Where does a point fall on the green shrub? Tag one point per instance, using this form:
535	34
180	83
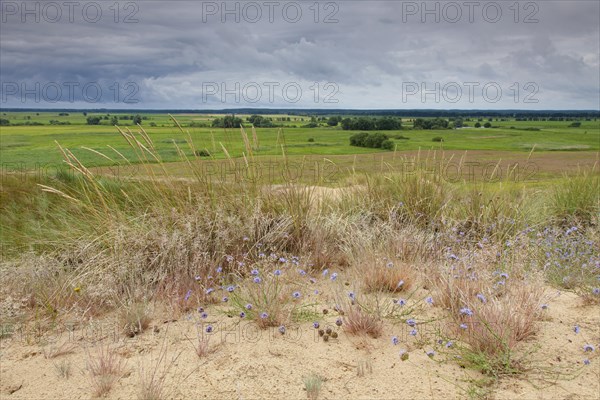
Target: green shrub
437	139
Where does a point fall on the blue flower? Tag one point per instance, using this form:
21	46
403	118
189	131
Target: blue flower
596	291
586	361
282	329
242	315
589	347
200	310
316	325
504	275
411	322
204	315
449	344
261	255
209	329
352	295
401	302
248	306
187	295
225	299
576	329
302	272
257	279
209	290
395	340
429	300
466	311
230	288
413	332
481	298
282	259
400	284
254	272
544	306
296	295
277	272
325	272
390	264
264	315
219	269
430	353
334	276
463	326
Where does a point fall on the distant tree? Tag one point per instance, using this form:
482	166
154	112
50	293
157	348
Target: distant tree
93	120
85	114
114	120
4	122
487	125
137	120
334	120
229	121
477	125
458	123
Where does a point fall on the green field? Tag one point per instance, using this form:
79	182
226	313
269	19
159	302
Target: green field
29	146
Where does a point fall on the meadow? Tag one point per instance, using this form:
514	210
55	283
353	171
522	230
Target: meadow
445	268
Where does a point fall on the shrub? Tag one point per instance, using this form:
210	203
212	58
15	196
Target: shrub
311	140
387	145
134	319
371	140
202	153
105	368
437	139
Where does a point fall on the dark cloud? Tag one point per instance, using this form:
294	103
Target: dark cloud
373	56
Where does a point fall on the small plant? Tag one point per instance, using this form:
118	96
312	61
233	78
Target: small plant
105	368
363	367
60	350
437	139
202	153
312	385
387	278
311	140
134	319
63	369
152	381
357	321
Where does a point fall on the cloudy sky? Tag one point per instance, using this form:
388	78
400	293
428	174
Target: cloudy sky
278	54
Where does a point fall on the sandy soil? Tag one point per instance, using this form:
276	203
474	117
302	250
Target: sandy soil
249	363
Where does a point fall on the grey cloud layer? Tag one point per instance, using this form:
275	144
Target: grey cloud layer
370	54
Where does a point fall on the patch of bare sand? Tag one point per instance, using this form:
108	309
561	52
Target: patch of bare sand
250	363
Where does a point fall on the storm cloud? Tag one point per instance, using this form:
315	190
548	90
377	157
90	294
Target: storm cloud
279	54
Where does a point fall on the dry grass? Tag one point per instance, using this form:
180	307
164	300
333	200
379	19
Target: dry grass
134	319
54	351
394	278
358	322
105	369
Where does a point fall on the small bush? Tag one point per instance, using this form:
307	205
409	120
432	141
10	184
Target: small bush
387	145
134	319
312	385
382	278
105	368
311	140
357	321
370	140
202	153
437	139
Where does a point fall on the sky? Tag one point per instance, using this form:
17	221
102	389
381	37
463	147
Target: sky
170	54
